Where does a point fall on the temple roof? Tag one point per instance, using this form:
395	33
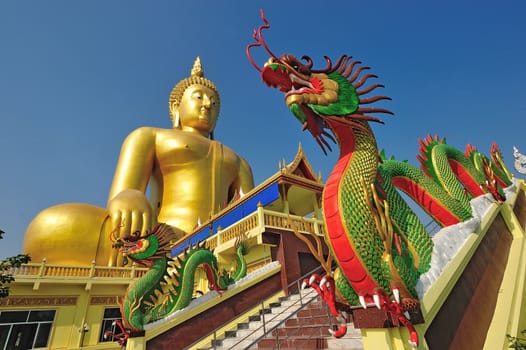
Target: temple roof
293	189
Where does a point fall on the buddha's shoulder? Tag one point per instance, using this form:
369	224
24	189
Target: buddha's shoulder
149	131
175	137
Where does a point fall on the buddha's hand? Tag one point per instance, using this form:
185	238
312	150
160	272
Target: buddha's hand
130	212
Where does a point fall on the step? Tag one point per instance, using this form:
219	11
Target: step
293	343
319	320
307	344
312	311
257	323
238	342
302	330
351	341
273	314
292	304
309	329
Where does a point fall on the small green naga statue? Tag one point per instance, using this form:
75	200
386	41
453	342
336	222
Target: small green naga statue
168	285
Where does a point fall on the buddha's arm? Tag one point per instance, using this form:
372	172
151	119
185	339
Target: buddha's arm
127	204
135	164
246	179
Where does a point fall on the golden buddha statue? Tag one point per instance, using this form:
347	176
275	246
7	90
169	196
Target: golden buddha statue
190	177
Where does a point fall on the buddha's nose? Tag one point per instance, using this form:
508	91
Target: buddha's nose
206	101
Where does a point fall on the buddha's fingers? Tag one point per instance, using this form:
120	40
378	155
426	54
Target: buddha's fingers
123	220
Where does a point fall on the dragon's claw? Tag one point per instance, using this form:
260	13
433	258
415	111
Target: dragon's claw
340	332
383	301
313	278
361	298
304	284
324	287
323	282
376	299
121	337
396	294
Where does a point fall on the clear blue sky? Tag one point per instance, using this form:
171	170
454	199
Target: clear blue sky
77	76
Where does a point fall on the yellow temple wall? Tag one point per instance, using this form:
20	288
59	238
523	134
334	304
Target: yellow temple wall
79	304
75	308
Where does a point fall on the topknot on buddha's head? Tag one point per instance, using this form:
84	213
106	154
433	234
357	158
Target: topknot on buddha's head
196	77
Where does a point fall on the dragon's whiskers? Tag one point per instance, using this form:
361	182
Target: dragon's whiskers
364	79
373	110
369	89
341	69
374	99
351	123
357	73
258	37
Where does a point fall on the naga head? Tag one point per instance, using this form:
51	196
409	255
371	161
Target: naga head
491	184
145	249
300	83
316	96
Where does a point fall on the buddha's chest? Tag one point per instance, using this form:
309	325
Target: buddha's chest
181	148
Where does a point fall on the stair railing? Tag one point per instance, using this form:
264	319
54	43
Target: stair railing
302	301
291	310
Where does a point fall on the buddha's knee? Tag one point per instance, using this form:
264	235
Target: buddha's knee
71	233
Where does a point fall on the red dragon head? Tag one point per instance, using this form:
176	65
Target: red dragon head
316	96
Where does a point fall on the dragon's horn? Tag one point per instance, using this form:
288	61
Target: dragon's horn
258	37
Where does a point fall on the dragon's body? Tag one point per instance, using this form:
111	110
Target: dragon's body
378	242
168	285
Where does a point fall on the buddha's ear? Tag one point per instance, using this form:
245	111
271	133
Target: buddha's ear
173	107
174	112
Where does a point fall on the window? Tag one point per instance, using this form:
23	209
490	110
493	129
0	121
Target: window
110	315
20	330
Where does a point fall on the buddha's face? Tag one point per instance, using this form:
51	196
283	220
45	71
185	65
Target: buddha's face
199	109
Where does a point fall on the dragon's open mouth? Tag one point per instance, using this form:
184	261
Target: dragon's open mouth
300	86
134	247
278	76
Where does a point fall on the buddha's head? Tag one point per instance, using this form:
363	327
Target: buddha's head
194	103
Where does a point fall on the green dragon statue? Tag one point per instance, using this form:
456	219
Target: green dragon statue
168	285
377	241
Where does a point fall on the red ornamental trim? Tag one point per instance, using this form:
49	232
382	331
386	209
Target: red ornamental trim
39	301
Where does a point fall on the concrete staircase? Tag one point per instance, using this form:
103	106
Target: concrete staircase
295	323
